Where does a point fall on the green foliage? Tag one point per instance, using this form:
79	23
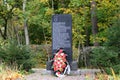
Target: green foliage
8	11
35	38
105	58
41	53
41	59
109	55
113	35
11	54
39	16
7	8
102	57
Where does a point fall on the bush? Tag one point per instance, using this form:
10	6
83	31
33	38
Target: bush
40	56
109	55
11	53
41	60
105	58
113	35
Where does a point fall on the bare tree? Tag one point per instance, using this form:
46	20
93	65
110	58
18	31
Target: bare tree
94	20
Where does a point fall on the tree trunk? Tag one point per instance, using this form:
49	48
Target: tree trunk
87	36
94	20
5	32
16	32
25	24
1	33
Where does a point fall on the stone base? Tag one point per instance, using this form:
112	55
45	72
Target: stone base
74	66
49	65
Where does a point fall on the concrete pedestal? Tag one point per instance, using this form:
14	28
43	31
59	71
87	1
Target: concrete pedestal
74	66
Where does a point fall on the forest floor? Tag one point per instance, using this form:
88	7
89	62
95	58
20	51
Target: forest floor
38	76
42	74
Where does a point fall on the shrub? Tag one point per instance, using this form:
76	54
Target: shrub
41	59
113	35
40	56
105	58
11	53
109	55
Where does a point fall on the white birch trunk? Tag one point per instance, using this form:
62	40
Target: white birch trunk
25	24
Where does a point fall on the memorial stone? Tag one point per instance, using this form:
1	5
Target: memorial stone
62	34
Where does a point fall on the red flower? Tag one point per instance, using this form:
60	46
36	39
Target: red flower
59	61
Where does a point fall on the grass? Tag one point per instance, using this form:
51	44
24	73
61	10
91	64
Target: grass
9	73
101	76
106	77
12	73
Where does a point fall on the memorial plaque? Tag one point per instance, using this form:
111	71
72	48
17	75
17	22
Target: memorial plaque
62	34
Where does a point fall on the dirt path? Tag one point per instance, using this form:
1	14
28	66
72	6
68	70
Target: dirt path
42	75
38	76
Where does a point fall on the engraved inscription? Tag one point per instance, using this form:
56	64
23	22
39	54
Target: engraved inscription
61	37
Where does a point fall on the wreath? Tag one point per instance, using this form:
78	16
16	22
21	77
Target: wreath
60	64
